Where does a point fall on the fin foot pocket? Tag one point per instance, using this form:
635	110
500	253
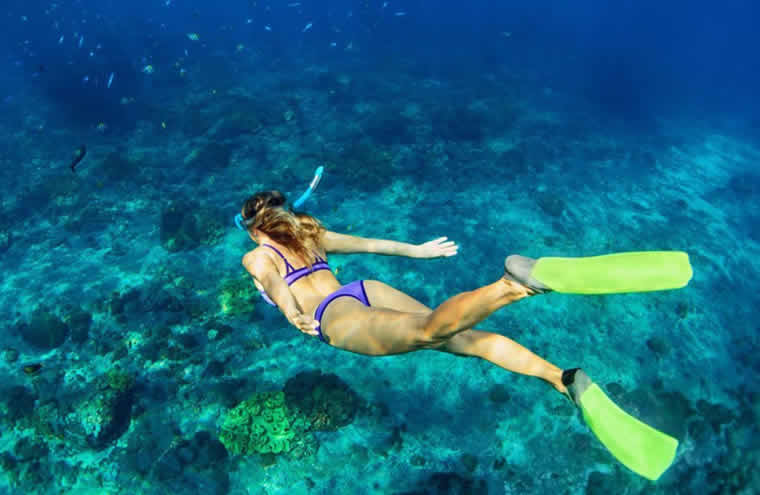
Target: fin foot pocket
518	269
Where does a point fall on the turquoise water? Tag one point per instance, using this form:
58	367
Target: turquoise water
131	330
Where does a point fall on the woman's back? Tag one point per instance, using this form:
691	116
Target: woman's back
309	285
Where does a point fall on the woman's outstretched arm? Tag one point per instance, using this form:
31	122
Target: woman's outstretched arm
333	242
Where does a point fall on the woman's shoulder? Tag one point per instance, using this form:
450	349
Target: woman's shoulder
256	253
260	257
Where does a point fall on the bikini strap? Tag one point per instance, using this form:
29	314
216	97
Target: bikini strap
288	267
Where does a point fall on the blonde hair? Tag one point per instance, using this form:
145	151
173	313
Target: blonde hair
298	231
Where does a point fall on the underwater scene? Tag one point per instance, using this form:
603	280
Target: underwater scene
510	247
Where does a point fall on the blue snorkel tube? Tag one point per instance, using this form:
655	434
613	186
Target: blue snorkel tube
241	223
313	185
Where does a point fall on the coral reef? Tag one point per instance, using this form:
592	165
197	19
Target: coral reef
236	296
262	424
188	225
324	400
105	415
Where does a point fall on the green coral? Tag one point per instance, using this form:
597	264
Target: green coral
119	380
236	296
324	400
261	424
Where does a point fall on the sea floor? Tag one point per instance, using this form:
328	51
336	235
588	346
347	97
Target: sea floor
123	281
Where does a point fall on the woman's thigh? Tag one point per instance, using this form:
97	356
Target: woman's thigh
349	325
393	325
383	295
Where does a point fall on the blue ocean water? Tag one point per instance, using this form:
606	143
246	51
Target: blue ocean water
133	341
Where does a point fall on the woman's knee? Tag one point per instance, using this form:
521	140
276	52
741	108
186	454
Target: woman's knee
407	332
426	337
462	343
433	332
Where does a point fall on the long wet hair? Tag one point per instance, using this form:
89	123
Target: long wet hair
299	231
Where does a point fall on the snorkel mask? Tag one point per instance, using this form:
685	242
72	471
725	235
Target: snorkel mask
244	223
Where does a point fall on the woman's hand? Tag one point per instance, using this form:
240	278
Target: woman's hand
437	248
304	323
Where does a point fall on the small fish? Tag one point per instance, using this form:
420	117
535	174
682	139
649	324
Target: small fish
400	14
85	79
60	40
187	54
240	47
333	44
307	27
32	369
249	21
148	69
294	4
81	41
193	36
385	4
268	27
110	80
78	157
101	127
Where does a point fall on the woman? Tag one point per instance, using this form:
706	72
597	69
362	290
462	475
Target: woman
368	316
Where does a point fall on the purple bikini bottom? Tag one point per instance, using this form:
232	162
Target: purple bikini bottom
354	289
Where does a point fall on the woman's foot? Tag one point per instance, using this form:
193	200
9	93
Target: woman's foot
577	381
553	376
515	290
518	269
562	389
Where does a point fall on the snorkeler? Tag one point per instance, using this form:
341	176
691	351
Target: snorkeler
290	269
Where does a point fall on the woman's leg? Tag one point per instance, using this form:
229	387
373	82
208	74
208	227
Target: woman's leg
505	353
467	309
383	331
492	347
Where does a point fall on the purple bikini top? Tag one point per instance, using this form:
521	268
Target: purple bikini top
291	274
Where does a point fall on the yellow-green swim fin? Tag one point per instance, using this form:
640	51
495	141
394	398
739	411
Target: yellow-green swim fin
607	274
641	448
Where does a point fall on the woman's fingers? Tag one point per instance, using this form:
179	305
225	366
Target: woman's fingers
440	246
306	324
447	248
